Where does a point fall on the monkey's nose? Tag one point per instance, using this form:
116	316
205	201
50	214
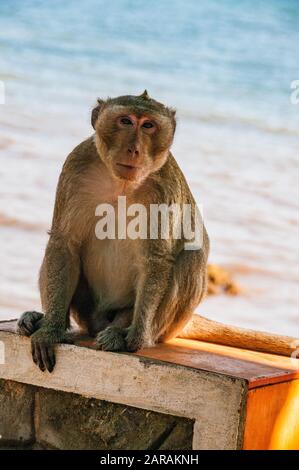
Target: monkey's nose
133	151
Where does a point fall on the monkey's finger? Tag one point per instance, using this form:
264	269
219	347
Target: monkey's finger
40	359
25	327
33	353
28	326
52	358
37	356
44	356
99	346
48	356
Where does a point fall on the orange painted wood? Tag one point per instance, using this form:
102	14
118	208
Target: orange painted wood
272	417
256	368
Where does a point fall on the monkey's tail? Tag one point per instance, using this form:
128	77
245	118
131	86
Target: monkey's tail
202	329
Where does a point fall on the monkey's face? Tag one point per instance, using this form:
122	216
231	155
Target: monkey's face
133	141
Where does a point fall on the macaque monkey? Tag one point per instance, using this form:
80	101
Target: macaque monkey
127	293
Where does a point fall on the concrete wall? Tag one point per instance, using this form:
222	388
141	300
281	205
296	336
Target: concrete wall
36	417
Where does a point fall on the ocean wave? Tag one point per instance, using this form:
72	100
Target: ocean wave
7	221
233	121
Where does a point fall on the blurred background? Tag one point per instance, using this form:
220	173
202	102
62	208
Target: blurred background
226	66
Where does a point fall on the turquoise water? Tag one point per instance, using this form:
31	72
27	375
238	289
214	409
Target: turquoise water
229	59
226	66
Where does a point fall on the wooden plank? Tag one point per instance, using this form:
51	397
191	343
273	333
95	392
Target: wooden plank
272	417
257	368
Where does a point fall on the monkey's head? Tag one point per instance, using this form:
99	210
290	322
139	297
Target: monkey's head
133	135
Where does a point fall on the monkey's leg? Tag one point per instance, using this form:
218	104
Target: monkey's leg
91	318
84	309
169	298
152	286
58	280
29	322
123	317
186	290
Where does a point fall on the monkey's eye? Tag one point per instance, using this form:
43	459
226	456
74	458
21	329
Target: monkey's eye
148	125
126	121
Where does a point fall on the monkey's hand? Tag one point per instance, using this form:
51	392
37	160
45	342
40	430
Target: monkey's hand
135	339
42	347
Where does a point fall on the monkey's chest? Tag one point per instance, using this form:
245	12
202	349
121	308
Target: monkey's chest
111	271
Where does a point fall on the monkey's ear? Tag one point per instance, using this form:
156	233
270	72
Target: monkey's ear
145	95
96	111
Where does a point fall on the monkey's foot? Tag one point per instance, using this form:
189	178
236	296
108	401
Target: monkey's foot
112	339
29	322
135	340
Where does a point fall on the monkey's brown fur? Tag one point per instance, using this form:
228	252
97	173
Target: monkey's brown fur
128	293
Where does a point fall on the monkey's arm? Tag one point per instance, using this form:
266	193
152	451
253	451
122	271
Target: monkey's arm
58	280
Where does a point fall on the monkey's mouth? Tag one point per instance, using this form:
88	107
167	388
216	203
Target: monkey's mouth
127	171
129	167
